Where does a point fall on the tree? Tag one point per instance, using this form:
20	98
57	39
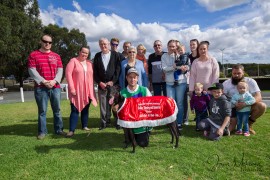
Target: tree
66	43
20	29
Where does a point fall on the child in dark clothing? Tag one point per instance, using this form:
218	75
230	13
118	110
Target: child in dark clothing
220	111
199	103
181	59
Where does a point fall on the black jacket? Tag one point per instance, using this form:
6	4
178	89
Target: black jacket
113	69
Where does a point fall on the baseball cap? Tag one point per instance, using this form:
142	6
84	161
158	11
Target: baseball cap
132	70
216	86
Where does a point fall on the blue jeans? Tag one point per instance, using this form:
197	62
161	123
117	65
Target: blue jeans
74	116
242	119
177	92
42	95
158	87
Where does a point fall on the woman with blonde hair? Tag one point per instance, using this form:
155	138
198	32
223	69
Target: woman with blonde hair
132	62
141	50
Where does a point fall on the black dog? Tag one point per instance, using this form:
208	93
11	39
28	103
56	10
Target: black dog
117	101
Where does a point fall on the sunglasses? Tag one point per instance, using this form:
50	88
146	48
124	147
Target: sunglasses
156	45
113	44
132	52
45	42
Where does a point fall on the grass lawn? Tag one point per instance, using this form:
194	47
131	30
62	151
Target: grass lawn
101	156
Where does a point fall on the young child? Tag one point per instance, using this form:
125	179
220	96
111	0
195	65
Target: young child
243	96
220	111
181	59
199	103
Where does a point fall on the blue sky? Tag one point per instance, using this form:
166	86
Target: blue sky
239	26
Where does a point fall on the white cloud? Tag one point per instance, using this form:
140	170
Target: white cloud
216	5
174	26
47	17
244	41
77	6
237	19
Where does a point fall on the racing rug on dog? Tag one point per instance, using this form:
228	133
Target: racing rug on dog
147	111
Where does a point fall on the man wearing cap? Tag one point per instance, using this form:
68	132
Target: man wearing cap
220	111
135	90
230	88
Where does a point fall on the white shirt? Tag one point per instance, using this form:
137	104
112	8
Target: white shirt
106	59
231	89
84	66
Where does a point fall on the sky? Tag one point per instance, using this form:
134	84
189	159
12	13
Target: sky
240	27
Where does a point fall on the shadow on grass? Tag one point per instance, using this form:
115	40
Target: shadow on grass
29	127
189	131
109	139
96	141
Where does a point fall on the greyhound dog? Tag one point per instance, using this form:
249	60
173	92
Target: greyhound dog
117	100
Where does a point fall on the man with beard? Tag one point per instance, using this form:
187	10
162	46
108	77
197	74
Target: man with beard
230	88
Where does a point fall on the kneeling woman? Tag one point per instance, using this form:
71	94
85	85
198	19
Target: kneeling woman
79	75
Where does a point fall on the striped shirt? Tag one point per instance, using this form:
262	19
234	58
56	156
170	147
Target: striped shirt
46	64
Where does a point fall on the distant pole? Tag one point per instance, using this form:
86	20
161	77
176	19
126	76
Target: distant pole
22	95
227	67
66	91
223	69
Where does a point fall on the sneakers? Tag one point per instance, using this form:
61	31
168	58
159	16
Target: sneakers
61	133
86	129
238	132
41	136
186	122
69	134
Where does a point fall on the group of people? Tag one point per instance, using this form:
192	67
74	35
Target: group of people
174	73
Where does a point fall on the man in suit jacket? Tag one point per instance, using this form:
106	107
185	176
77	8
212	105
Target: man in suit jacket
106	73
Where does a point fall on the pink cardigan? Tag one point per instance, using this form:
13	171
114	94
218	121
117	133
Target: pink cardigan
205	72
81	83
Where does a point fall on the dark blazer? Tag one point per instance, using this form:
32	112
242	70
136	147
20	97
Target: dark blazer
113	69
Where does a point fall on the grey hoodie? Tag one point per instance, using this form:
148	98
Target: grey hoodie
219	109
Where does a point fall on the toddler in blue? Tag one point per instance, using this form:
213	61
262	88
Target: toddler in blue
243	96
180	60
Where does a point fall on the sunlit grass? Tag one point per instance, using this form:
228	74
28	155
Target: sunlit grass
99	155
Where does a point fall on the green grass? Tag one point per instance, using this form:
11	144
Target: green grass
101	156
